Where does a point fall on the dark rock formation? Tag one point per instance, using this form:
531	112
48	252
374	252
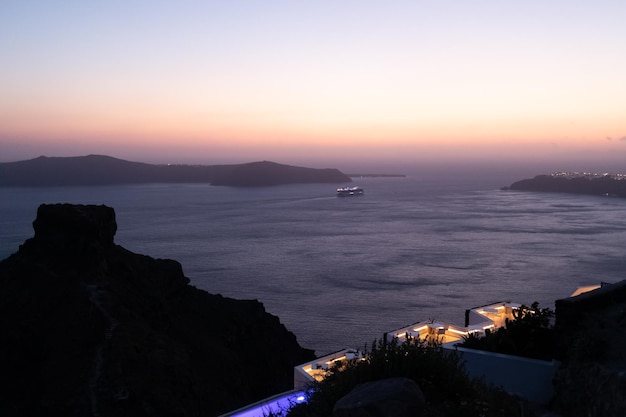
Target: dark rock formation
592	185
105	170
91	329
392	397
591	343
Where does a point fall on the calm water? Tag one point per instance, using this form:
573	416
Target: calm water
341	271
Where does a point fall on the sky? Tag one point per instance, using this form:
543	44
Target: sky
318	83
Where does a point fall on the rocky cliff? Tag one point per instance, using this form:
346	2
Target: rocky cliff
91	329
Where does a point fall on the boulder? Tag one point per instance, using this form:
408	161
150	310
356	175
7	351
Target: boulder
392	397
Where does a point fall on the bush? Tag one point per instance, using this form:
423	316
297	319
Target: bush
447	388
530	334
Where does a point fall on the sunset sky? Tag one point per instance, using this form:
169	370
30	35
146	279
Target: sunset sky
319	83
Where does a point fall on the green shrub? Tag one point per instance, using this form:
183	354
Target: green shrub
530	334
447	388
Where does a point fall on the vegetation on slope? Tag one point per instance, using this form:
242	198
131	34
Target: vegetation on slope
440	375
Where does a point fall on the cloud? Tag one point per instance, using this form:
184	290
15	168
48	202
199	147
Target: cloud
623	139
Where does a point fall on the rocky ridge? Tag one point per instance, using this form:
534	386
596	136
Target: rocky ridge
90	328
105	170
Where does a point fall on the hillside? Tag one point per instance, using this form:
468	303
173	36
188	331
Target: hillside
105	170
90	328
575	183
256	174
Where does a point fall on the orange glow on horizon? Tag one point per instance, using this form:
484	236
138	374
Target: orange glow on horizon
281	82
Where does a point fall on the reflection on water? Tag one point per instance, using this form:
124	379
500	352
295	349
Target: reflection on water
339	272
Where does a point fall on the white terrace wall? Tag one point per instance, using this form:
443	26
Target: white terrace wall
528	378
305	375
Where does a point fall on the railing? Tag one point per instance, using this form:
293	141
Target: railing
528	378
277	405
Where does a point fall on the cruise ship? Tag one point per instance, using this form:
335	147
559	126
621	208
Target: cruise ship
349	191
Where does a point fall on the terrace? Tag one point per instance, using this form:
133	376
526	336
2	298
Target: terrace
481	364
306	374
477	320
490	316
430	332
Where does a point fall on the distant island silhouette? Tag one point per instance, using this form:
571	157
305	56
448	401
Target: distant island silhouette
613	185
106	170
377	175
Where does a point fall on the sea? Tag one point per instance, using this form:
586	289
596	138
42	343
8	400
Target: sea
340	272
